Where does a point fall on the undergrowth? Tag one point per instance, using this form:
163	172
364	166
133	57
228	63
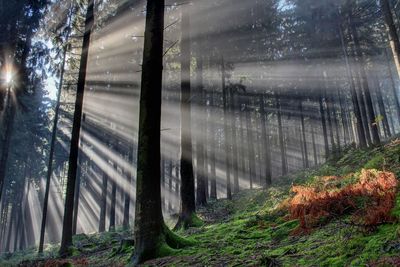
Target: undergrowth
255	229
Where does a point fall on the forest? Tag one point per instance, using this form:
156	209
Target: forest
199	133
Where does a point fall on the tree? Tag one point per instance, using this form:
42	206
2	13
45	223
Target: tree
392	32
54	136
152	237
187	212
66	238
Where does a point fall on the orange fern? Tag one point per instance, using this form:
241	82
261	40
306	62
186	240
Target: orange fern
376	190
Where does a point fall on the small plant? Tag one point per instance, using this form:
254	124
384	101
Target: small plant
369	197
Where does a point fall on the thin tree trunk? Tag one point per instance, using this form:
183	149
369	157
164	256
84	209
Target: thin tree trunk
201	197
381	105
281	137
227	135
127	197
361	133
369	106
187	188
392	32
103	203
250	144
232	100
303	131
53	141
393	85
266	146
66	239
6	142
314	147
323	122
213	178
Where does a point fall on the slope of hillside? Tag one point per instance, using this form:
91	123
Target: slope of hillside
255	229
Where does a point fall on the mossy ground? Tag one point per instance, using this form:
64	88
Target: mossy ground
251	230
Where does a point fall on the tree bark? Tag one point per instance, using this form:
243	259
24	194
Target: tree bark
266	145
280	133
103	203
303	131
66	239
250	144
187	189
392	32
51	153
201	197
151	234
227	135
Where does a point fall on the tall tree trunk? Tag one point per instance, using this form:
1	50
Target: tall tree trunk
266	146
51	153
232	105
187	189
113	199
356	107
393	85
303	131
250	144
201	197
66	239
77	193
127	195
323	122
170	199
151	234
242	147
227	135
6	142
281	137
369	106
381	105
330	124
392	32
314	147
103	203
213	147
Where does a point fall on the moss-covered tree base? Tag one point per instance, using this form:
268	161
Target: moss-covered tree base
169	244
185	222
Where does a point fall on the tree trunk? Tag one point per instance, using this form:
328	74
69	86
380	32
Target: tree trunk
187	188
201	197
77	193
151	234
393	85
369	106
103	203
113	200
232	108
303	131
280	133
213	143
314	147
381	105
66	239
250	144
51	153
127	197
6	142
392	32
266	146
227	135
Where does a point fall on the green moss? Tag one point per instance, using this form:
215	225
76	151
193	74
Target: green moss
377	162
196	221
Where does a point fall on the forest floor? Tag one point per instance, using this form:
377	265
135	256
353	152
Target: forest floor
253	229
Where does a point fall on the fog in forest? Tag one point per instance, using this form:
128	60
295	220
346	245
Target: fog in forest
251	91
